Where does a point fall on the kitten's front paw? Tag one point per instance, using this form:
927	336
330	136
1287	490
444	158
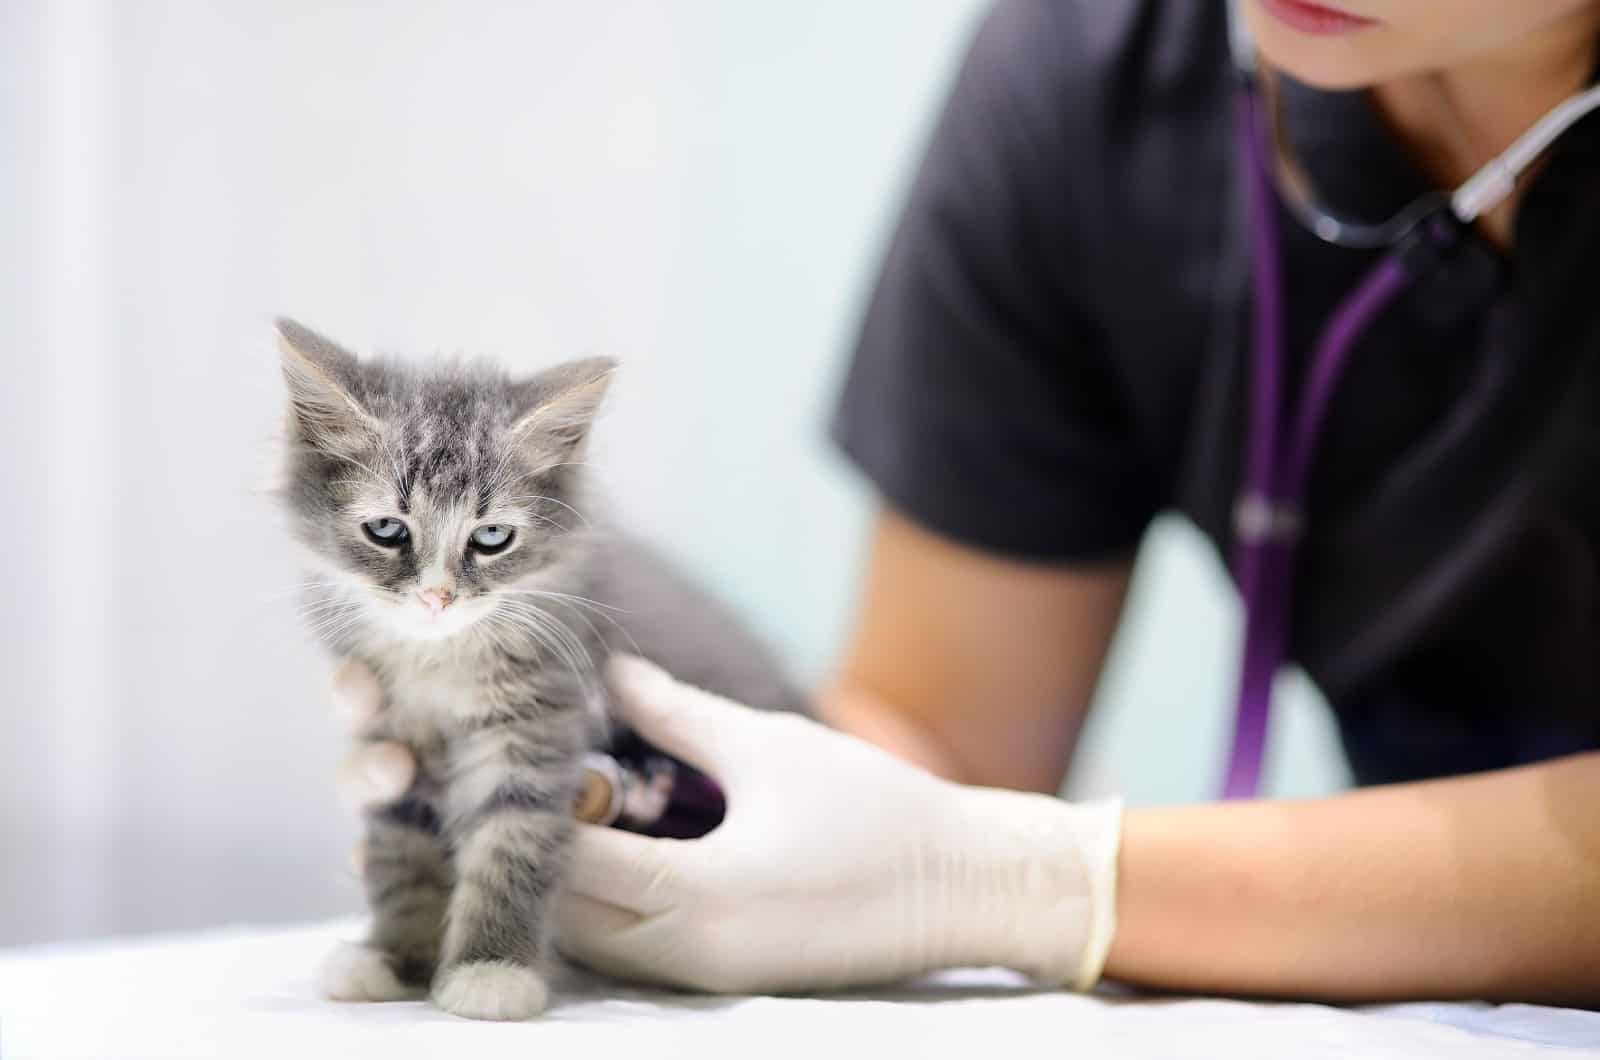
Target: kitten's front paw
353	972
491	990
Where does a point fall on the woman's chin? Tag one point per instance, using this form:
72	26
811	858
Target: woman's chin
1333	64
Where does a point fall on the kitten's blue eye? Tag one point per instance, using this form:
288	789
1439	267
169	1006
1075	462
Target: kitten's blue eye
492	538
386	532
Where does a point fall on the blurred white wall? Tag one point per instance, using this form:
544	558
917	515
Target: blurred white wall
700	188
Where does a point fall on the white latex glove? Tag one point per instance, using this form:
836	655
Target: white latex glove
837	864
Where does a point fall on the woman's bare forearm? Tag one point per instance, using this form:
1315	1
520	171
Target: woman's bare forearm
861	713
1474	887
976	667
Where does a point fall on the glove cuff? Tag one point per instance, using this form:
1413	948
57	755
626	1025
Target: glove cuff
1100	845
1050	906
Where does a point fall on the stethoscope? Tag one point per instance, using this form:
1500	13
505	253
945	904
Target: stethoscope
1269	518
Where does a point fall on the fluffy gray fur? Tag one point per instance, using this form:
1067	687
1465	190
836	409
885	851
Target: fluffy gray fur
498	693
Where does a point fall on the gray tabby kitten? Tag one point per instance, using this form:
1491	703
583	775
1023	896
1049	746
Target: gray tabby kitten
458	556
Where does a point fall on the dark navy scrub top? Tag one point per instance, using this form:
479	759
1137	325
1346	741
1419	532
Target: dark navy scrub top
1056	351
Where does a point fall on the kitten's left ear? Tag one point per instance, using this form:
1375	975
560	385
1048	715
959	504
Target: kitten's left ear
557	406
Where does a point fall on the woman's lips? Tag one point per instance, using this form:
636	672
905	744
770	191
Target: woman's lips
1316	19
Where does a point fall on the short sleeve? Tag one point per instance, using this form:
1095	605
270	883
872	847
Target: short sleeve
979	401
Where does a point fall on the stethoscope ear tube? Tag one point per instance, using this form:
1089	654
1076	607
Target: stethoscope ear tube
1490	186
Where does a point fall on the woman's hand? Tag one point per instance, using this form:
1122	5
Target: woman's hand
837	864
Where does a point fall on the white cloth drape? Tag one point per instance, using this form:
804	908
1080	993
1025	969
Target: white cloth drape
247	993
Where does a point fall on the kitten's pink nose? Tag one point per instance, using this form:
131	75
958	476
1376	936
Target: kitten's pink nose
435	600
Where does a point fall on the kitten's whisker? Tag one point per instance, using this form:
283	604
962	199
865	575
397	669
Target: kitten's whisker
539	515
577	603
319	624
546	497
336	456
331	627
325	604
396	466
584	519
572	597
308	614
332	620
314	598
592	631
572	650
337	599
530	627
522	634
567	645
497	477
291	590
563	527
564	463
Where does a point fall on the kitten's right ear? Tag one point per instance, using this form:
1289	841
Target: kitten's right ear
323	412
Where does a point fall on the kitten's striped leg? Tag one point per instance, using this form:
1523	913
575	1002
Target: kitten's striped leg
408	880
513	836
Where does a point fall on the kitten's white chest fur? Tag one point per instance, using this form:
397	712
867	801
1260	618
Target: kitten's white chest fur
429	692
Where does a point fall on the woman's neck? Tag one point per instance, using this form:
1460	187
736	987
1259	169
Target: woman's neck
1454	120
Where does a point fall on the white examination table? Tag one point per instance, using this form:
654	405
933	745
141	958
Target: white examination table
244	993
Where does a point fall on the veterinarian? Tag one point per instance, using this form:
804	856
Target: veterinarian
1150	264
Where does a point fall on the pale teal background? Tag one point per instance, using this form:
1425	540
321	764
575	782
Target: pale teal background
701	188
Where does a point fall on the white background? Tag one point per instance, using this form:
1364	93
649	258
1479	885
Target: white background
700	188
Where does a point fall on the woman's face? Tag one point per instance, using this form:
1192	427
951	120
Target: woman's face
1356	43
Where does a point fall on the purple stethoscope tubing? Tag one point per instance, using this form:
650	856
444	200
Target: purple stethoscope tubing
1269	517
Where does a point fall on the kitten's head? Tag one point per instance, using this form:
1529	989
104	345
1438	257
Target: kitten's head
422	493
